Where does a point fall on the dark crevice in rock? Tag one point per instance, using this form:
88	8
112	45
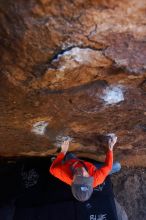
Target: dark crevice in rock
116	67
39	69
61	52
72	90
70	101
142	86
92	33
114	70
142	127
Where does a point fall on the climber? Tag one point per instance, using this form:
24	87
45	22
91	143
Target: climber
81	175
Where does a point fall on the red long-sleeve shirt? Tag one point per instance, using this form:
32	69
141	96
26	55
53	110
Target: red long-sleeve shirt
63	170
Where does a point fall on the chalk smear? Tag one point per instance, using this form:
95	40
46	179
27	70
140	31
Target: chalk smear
77	54
113	95
39	128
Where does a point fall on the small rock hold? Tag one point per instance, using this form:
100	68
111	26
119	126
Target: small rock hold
113	95
39	127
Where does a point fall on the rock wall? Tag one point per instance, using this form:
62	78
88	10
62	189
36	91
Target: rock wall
73	68
130	191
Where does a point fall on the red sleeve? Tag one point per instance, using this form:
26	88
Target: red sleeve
101	174
55	167
59	171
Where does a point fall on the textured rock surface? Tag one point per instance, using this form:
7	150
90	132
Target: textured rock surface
73	68
130	191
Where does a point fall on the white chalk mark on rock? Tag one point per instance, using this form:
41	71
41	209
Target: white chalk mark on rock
113	95
112	135
77	56
39	127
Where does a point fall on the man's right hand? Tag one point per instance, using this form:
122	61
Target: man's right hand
112	141
65	146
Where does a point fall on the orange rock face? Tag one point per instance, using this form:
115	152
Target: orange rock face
73	68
